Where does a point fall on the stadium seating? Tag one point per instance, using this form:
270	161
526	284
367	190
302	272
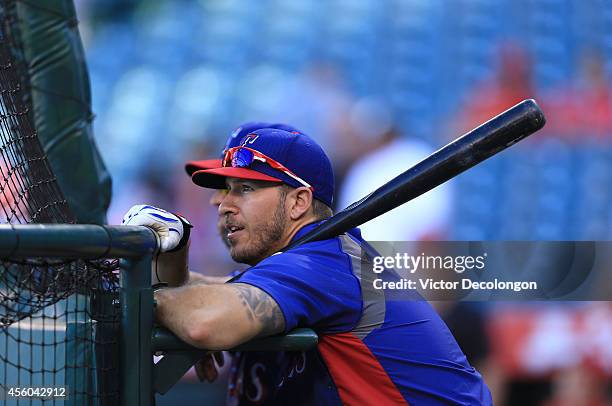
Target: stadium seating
178	69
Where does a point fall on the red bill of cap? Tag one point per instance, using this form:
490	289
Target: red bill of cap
193	166
215	178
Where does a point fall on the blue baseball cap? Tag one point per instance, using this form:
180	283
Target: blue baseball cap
233	141
298	153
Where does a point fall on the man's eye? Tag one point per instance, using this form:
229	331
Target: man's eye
246	188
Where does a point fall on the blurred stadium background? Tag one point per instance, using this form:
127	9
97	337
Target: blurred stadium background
171	79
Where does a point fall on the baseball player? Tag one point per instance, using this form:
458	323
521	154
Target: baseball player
373	348
208	368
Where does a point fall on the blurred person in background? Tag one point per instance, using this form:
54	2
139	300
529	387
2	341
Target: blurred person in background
579	386
424	218
215	261
511	84
552	354
583	107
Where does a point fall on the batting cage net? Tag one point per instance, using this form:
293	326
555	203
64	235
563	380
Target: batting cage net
58	318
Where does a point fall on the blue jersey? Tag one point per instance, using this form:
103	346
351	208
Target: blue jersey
373	348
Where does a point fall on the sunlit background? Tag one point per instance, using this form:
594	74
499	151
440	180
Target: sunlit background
381	84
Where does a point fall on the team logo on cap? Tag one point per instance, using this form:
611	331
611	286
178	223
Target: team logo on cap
249	139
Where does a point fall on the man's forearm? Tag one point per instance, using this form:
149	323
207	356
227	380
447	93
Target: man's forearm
170	312
217	317
171	267
205	316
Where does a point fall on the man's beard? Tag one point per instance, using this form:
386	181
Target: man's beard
266	237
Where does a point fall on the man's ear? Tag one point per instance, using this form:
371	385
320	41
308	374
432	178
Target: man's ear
300	202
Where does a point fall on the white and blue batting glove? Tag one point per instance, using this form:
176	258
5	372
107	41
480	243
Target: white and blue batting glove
173	230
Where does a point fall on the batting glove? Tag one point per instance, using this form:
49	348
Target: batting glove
173	230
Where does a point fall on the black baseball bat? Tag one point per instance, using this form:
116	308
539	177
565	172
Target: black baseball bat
481	143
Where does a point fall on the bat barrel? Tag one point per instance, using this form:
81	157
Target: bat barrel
500	132
481	143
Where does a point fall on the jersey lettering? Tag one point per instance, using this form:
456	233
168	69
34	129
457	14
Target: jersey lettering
257	390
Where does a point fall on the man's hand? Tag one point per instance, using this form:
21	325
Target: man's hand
173	230
208	368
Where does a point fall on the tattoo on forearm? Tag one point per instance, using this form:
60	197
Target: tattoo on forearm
260	306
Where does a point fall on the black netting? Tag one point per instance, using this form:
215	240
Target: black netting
59	329
28	188
58	319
